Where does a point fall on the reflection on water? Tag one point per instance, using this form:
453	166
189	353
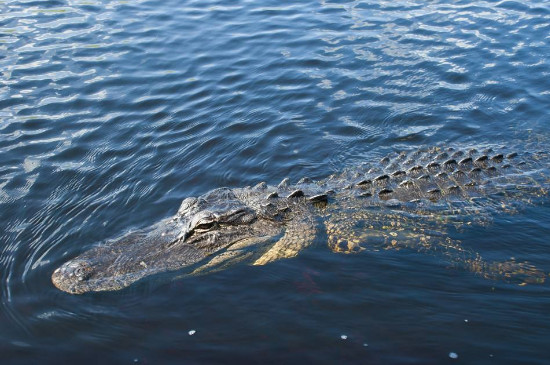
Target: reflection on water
112	112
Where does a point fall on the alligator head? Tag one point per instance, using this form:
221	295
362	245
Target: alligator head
202	227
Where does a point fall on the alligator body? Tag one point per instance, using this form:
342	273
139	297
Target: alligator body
407	199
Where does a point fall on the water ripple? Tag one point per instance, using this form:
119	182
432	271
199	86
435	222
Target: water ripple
112	111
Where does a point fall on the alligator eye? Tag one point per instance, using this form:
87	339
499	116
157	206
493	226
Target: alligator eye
205	226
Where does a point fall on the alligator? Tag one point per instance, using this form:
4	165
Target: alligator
406	200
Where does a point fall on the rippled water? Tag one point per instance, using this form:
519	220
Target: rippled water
111	112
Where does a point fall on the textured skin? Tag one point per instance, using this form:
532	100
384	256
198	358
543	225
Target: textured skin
407	200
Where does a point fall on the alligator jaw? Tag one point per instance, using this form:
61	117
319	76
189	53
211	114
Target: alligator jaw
169	245
68	275
117	264
87	273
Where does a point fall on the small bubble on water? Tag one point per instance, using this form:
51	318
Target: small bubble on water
344	337
136	360
365	345
466	320
192	332
453	355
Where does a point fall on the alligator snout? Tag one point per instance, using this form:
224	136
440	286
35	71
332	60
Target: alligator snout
67	276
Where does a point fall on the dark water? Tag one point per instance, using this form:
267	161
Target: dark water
111	112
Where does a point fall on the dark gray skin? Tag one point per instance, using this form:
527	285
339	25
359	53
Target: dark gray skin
406	200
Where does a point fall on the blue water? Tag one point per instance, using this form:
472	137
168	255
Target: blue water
112	112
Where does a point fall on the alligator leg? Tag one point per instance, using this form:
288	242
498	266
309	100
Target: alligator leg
355	231
375	230
343	236
300	233
510	271
238	252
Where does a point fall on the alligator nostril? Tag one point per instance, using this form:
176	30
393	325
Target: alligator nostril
81	274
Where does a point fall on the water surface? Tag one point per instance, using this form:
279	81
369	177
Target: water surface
112	112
